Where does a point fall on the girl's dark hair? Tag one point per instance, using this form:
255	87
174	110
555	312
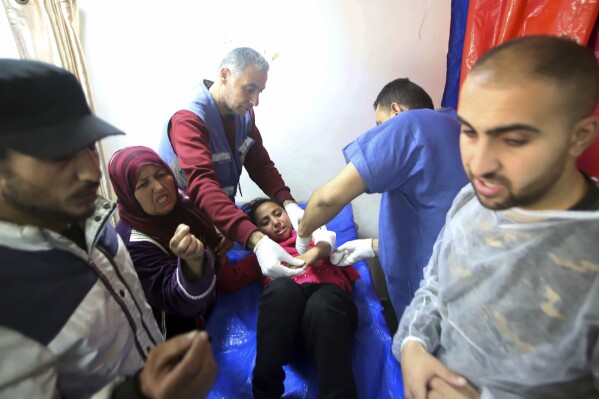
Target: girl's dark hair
250	207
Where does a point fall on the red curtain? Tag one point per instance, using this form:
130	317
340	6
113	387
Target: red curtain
492	22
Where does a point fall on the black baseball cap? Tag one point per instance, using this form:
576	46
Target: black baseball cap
44	112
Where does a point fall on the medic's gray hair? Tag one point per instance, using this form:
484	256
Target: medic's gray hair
238	59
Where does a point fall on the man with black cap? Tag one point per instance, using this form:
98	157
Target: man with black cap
74	321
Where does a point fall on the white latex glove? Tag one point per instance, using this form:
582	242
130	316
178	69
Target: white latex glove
352	252
295	214
270	255
303	243
323	235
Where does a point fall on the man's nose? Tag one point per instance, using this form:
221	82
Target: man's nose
88	164
483	159
255	100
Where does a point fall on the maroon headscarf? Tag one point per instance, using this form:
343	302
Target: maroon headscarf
123	170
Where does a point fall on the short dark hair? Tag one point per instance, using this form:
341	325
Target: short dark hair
238	59
249	208
560	60
404	92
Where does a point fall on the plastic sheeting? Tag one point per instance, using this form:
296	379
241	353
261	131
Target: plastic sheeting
492	22
232	327
589	160
457	29
510	301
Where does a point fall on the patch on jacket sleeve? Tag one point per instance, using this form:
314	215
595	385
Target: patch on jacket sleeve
109	240
41	290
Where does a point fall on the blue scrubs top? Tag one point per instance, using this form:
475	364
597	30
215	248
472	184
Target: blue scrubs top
413	159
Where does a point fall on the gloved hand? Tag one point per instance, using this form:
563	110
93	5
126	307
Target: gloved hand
295	214
352	252
323	235
270	255
303	243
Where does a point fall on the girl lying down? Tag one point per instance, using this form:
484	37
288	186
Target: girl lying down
313	310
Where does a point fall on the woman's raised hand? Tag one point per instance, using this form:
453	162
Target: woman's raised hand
191	251
185	245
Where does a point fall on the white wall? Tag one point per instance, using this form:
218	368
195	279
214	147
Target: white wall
8	47
334	56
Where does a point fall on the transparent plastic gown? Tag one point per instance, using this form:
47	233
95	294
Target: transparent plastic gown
510	300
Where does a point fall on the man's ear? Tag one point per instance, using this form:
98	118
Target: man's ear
224	74
2	176
4	166
397	109
583	134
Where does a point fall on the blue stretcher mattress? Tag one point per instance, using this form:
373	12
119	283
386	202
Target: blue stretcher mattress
232	327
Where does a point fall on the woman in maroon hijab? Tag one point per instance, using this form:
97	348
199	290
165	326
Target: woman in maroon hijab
171	243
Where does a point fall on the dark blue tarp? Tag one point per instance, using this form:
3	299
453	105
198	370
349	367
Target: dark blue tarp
457	30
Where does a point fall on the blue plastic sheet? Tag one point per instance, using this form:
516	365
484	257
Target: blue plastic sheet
232	327
457	31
